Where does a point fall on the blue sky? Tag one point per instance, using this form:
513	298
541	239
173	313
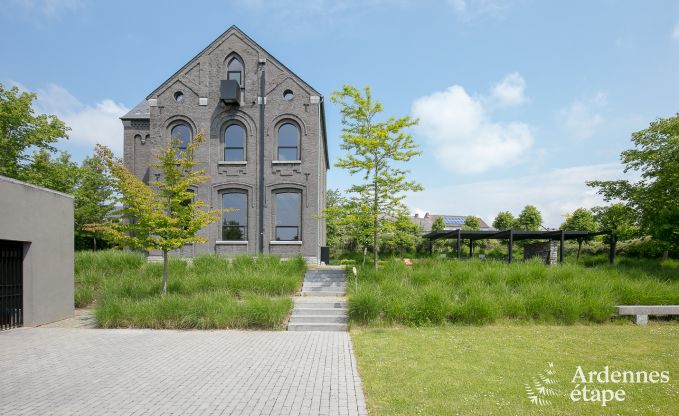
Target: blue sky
520	102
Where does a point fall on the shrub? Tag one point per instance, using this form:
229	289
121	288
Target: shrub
364	306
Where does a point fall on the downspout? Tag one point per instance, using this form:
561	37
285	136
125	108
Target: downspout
319	186
262	104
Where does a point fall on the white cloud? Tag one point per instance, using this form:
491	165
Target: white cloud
555	193
463	136
510	91
583	117
675	32
89	124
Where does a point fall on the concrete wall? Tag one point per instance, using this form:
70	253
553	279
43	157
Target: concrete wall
43	220
547	251
203	111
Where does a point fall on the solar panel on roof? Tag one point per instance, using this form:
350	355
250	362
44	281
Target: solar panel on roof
453	220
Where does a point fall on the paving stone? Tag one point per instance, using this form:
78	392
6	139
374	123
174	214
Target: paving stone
73	371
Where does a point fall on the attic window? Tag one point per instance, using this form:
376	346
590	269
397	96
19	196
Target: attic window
235	70
179	96
288	95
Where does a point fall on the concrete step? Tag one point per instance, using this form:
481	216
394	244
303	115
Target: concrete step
338	286
317	327
321	293
317	319
300	310
332	304
324	279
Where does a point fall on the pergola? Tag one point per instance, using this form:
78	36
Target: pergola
514	235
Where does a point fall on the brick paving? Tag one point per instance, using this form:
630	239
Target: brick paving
69	371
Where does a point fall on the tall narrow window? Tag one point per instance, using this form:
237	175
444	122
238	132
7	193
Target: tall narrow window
234	70
288	216
182	134
288	142
234	223
234	143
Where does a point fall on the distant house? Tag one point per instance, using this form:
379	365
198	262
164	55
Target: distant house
453	222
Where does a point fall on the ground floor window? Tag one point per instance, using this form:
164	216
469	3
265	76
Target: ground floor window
288	215
234	223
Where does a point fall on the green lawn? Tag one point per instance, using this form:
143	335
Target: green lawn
482	370
212	292
438	291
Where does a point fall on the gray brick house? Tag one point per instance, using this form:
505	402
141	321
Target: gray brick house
265	149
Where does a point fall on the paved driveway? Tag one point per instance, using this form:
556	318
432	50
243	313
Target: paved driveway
62	371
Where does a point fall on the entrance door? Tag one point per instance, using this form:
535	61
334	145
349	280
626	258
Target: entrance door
11	284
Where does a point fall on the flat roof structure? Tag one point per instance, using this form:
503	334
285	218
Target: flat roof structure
514	235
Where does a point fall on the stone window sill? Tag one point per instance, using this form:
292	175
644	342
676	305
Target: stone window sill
286	162
231	243
284	243
232	162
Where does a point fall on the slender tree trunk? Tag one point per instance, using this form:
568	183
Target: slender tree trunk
94	243
577	257
665	254
165	272
375	220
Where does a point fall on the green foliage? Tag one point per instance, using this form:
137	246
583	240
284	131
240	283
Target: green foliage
374	150
58	173
504	221
656	196
619	218
165	216
22	130
530	219
471	223
93	198
438	224
435	291
580	220
213	292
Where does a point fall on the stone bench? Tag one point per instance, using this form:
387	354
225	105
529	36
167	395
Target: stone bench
641	312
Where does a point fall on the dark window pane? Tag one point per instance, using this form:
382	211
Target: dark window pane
287	233
236	77
182	133
235	65
237	201
233	233
234	136
235	71
287	153
234	154
288	135
288	215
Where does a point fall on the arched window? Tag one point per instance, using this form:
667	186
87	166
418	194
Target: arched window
234	70
288	142
182	134
234	143
288	215
234	223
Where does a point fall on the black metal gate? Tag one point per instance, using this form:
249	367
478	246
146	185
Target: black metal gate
11	284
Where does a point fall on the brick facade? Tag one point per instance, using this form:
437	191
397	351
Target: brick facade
147	128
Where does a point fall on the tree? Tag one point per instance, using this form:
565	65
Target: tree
504	221
58	173
405	235
530	219
471	223
580	220
373	150
22	130
655	197
438	225
93	197
618	218
165	216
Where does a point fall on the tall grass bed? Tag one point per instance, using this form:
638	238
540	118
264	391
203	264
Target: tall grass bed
210	293
438	291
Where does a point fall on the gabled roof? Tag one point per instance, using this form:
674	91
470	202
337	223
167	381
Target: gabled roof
228	31
140	111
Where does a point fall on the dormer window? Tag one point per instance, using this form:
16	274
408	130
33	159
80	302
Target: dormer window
234	70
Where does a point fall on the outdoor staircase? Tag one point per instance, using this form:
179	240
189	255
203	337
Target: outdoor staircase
321	305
